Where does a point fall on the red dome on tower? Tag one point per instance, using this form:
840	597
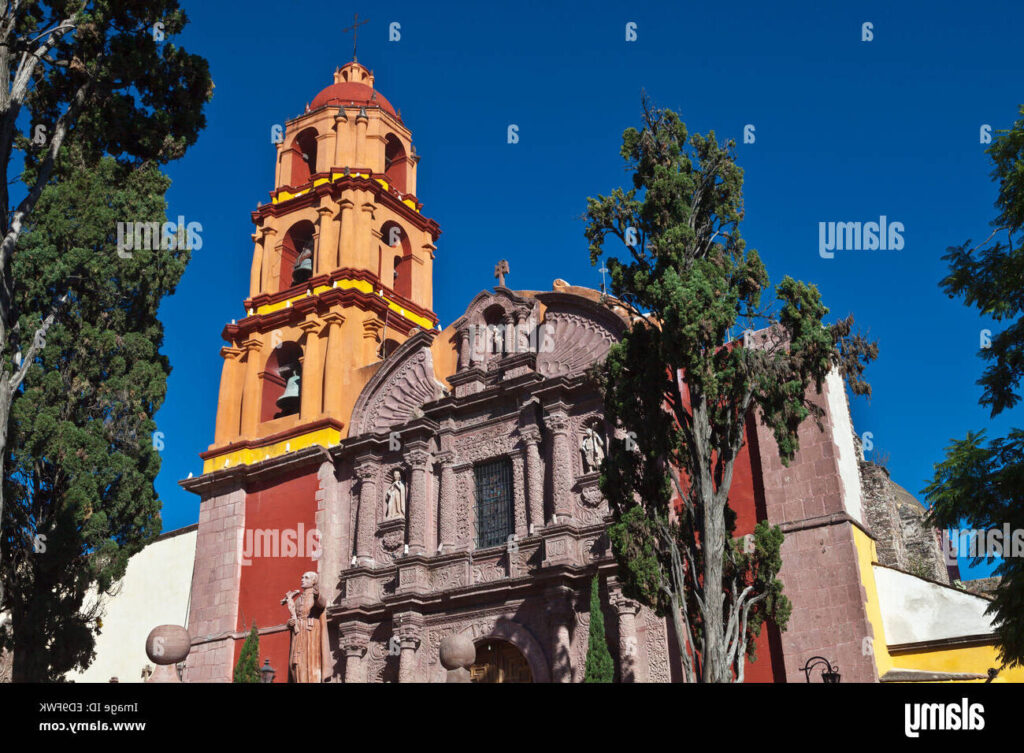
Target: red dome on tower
353	85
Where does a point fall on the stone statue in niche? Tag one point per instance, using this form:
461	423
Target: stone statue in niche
592	449
307	623
395	497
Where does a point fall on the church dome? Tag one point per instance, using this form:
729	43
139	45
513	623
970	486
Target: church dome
353	85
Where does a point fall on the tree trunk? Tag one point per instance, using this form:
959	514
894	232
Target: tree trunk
5	412
715	664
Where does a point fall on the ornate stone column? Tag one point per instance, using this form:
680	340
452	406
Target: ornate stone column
534	476
464	345
408	627
557	421
560	616
366	472
627	610
354	641
251	392
417	458
448	504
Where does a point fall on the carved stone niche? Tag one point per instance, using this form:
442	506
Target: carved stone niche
391	538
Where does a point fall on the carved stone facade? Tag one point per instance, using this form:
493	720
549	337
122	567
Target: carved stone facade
519	393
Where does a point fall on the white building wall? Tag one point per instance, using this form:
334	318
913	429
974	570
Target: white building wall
842	435
154	591
915	610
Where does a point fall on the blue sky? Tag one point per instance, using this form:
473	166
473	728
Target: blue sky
845	130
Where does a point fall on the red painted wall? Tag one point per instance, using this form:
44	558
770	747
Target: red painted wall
746	499
284	506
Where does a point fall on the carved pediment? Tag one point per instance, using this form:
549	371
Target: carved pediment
399	389
580	331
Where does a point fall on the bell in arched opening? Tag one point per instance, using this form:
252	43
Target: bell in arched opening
303	268
289	400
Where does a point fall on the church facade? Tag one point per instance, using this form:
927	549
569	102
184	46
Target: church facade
445	481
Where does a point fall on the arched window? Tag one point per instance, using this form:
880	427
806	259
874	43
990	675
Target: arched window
297	262
388	347
282	382
303	157
396	163
400	250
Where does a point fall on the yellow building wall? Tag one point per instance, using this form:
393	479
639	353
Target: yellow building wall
970	659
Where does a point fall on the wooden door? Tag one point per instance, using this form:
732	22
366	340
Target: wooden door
498	661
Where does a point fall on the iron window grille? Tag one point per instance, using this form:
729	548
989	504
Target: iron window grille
494	520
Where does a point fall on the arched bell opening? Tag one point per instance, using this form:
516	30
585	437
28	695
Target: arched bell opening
396	163
297	255
282	382
303	157
399	253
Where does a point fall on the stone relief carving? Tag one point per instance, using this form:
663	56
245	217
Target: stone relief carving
449	577
656	647
466	498
579	341
485	572
383	666
519	493
393	396
491	441
591	506
580	642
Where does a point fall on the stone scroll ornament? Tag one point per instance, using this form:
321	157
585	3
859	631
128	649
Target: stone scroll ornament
308	627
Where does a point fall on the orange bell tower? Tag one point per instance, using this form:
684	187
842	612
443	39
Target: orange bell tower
341	275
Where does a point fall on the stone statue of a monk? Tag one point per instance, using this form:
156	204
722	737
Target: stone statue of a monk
395	498
305	659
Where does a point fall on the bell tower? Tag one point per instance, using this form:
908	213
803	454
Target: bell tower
341	275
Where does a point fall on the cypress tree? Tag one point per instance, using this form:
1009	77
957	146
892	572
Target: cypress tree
248	667
599	666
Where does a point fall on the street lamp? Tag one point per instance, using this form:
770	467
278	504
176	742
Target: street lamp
829	675
267	672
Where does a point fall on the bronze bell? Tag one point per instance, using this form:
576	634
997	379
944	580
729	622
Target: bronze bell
289	400
303	268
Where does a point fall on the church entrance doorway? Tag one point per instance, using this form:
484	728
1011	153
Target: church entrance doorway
499	661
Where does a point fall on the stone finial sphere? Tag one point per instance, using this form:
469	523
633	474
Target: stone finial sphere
457	652
168	644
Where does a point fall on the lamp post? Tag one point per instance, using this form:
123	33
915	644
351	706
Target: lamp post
829	675
267	672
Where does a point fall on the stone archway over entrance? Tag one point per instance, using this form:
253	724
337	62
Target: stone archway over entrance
499	661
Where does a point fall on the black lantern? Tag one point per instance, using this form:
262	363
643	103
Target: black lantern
829	675
267	672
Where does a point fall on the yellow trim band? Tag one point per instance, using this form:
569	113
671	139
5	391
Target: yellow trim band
249	455
362	286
